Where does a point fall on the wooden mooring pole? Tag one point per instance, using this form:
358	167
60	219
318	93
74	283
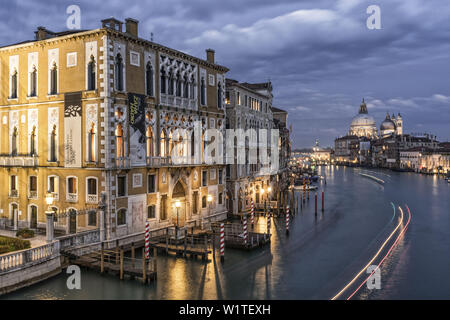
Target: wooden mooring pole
117	251
121	263
155	256
102	259
315	206
144	269
132	254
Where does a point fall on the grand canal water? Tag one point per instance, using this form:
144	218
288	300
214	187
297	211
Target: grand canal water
320	256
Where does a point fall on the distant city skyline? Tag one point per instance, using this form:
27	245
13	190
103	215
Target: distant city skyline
319	55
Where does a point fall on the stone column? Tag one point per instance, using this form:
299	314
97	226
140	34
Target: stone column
101	221
101	211
49	229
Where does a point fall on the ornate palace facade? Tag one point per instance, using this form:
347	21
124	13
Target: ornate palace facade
91	112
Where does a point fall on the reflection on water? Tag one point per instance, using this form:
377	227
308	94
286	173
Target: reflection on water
318	258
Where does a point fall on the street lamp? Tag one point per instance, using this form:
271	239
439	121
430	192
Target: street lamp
210	199
49	215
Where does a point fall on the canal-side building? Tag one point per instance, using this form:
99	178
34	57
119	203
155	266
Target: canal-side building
96	111
248	107
283	177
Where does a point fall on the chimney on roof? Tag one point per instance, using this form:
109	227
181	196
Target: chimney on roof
41	33
132	26
112	23
210	55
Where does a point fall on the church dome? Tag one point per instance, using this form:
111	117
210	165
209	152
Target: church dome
387	124
362	120
363	125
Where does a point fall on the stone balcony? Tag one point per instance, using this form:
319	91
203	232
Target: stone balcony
71	197
92	198
19	160
178	102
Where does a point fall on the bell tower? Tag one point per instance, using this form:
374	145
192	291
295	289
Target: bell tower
399	125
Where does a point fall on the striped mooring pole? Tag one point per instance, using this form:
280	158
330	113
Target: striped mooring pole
287	220
147	240
222	242
315	199
245	229
269	216
252	216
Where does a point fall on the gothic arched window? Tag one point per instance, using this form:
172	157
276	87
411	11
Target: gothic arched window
149	79
33	142
54	79
203	92
119	141
14	85
162	145
150	142
91	144
163	81
53	145
14	142
33	82
219	96
185	87
170	83
119	72
91	74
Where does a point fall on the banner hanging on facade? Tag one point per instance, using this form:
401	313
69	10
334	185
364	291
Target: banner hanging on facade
72	130
136	118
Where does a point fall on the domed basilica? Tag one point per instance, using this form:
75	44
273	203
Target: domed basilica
364	125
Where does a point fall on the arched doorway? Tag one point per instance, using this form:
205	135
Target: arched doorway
179	197
33	217
13	212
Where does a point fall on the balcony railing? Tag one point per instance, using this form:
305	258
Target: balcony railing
71	197
13	193
92	198
122	163
175	101
32	194
18	160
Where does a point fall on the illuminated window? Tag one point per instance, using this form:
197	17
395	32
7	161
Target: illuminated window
119	142
91	144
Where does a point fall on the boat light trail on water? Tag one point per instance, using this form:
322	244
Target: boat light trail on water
370	262
372	177
394	245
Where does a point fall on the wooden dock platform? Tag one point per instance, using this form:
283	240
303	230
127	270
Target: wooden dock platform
181	250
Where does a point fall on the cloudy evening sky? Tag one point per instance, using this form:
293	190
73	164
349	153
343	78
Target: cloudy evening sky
319	54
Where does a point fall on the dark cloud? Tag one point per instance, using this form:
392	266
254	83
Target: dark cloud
319	54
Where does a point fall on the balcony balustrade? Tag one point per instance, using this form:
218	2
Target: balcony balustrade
92	198
18	160
71	197
13	193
